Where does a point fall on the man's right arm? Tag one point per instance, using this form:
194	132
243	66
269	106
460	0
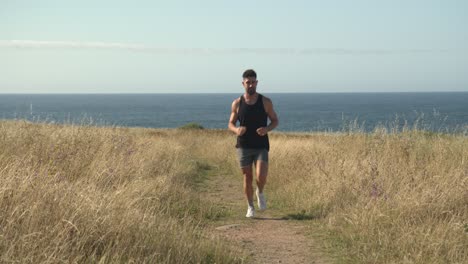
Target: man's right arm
233	119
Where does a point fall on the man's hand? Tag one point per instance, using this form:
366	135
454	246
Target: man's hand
262	131
241	130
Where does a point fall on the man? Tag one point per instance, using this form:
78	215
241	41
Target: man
252	111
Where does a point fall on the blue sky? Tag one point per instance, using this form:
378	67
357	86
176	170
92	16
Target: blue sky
204	46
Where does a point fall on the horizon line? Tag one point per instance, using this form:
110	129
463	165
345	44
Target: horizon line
143	93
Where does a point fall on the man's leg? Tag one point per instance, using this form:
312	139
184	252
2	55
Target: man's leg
262	172
246	160
248	189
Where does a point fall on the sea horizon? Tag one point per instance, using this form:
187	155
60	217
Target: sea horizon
261	92
298	112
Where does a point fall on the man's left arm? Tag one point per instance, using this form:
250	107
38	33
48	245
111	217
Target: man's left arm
274	121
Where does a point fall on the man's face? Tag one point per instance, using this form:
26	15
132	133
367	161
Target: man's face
250	85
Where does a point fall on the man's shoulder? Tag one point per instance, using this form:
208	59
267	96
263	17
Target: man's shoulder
236	103
266	99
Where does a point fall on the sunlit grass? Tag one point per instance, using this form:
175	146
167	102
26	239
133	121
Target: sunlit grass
388	198
88	194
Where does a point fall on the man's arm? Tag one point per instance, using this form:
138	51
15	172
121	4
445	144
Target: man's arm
233	119
274	121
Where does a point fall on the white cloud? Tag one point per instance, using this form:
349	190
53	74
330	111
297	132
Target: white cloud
35	44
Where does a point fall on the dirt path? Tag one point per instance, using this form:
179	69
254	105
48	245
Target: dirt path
270	237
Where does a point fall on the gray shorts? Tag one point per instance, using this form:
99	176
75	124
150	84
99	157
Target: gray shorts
248	156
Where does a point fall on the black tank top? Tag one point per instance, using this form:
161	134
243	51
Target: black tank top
252	117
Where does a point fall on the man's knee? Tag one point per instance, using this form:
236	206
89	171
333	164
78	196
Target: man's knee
247	172
262	168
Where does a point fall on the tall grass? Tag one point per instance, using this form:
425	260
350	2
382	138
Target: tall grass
87	194
396	195
387	197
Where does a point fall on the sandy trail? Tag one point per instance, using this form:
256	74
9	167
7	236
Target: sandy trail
267	238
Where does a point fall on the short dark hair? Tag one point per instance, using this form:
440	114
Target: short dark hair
249	73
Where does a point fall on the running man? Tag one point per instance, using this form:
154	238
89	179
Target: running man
253	110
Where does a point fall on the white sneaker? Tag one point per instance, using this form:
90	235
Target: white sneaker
250	212
261	201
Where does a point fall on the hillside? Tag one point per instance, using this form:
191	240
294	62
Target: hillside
107	194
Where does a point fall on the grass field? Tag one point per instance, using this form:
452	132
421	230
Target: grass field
386	198
105	194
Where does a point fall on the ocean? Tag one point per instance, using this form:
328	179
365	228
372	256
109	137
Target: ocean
298	112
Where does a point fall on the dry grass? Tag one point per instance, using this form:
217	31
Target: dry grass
87	194
385	197
388	198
